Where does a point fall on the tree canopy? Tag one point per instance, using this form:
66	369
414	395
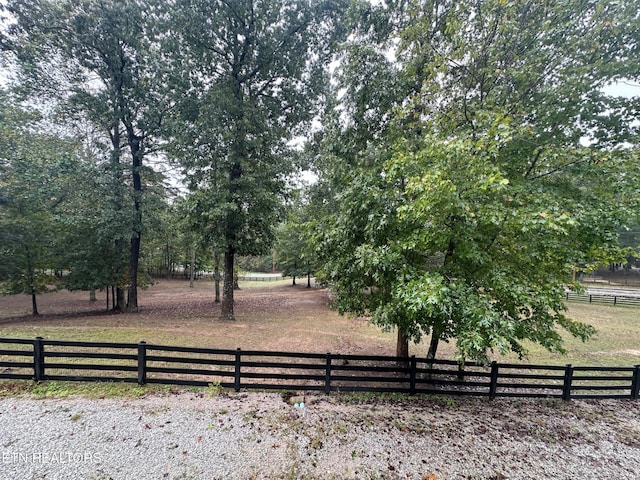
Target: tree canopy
493	166
36	185
100	64
256	75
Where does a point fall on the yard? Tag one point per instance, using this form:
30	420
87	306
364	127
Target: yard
278	316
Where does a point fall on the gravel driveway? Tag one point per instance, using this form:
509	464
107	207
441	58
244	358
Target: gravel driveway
190	435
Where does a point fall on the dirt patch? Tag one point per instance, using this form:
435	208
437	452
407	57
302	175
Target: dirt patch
167	300
268	317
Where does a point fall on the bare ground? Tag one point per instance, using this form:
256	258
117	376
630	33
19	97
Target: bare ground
269	316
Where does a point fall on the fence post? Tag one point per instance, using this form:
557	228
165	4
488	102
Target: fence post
412	375
38	359
142	363
635	383
327	375
236	382
568	379
493	385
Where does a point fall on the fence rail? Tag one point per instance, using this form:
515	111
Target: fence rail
601	298
262	278
39	359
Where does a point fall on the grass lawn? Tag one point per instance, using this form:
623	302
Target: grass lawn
617	341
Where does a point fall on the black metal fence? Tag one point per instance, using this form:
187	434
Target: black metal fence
143	363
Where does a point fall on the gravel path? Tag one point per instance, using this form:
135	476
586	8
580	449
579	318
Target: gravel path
257	436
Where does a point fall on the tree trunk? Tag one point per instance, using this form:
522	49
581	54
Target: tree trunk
34	304
137	154
132	294
308	276
433	348
402	345
167	258
216	276
193	269
32	281
226	310
119	299
236	283
294	279
92	295
433	345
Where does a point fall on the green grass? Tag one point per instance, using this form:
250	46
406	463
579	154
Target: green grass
58	389
111	335
616	342
266	283
269	316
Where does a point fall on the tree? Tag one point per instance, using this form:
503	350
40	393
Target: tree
38	178
475	195
355	143
100	62
294	252
256	70
290	250
92	233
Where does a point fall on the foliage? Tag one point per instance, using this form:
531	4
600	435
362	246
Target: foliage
37	180
88	249
296	249
468	196
99	62
257	263
256	70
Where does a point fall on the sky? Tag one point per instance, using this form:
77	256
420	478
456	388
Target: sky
623	88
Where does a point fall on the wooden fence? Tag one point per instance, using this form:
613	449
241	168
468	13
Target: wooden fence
143	363
604	299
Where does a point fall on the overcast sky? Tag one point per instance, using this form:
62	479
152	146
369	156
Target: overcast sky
623	89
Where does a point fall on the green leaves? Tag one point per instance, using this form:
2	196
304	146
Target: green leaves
470	194
36	184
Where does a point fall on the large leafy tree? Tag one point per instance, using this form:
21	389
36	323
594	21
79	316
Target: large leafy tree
38	180
99	62
472	196
90	244
255	73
